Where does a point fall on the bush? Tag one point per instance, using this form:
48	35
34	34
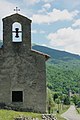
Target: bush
66	100
75	99
78	104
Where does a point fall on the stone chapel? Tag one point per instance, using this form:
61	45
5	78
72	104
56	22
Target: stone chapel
22	70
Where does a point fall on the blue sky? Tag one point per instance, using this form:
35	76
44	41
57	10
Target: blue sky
55	23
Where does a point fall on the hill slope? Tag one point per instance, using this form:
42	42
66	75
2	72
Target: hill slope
63	70
56	54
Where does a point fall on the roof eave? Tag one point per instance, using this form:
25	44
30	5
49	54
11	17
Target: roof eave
45	55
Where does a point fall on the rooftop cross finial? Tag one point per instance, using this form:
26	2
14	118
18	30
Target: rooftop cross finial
17	9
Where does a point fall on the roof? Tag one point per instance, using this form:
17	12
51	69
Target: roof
16	15
43	54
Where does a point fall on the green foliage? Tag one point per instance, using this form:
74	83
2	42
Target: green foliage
49	97
62	70
61	78
50	102
78	109
67	100
78	103
58	101
55	96
76	99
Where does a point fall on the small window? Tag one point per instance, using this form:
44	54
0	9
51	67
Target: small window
17	96
16	32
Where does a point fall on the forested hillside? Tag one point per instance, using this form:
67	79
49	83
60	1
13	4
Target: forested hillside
63	70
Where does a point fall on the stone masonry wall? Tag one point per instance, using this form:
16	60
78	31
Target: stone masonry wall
21	69
24	73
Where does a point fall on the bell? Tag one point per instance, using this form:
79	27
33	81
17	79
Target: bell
17	31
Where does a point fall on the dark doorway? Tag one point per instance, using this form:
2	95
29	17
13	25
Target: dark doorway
17	96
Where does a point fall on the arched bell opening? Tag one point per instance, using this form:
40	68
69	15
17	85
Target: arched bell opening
16	32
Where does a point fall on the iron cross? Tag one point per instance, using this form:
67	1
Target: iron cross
17	9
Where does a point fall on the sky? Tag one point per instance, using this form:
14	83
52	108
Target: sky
55	23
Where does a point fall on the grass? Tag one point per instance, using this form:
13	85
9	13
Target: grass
59	117
78	110
10	115
65	108
62	109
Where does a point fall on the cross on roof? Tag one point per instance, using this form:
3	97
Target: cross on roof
17	9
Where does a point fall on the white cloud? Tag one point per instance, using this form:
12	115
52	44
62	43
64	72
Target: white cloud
34	31
46	6
55	15
42	32
38	31
47	1
32	2
66	39
76	23
41	11
73	3
6	8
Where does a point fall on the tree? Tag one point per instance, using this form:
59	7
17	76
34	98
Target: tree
55	96
50	102
66	100
76	99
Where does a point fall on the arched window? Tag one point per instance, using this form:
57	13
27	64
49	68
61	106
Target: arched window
16	32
